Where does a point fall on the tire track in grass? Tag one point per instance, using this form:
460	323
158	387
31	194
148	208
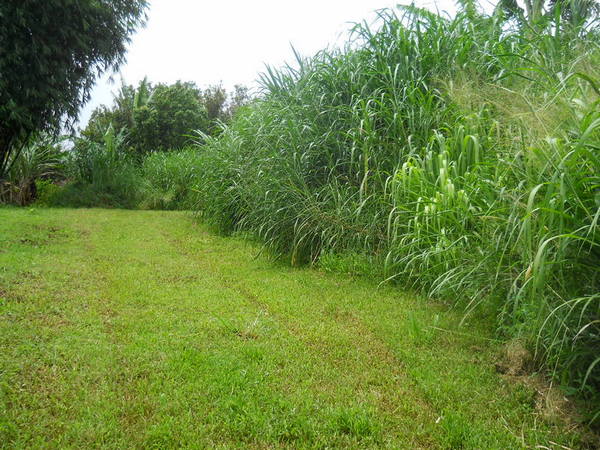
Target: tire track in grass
358	358
60	363
344	357
146	384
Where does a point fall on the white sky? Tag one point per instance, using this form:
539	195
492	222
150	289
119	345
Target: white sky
231	40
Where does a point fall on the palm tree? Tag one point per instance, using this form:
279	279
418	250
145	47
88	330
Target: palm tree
143	94
576	13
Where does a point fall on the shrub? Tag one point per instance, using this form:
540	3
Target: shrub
169	179
100	175
41	159
47	190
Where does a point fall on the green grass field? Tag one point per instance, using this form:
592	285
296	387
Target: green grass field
134	329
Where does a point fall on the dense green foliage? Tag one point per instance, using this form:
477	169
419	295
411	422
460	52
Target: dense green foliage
100	174
107	174
50	54
538	15
133	154
151	118
37	162
164	117
169	180
455	155
168	118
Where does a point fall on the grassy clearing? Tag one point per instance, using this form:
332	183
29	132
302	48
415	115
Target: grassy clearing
142	329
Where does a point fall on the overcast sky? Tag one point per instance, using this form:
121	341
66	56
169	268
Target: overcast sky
230	41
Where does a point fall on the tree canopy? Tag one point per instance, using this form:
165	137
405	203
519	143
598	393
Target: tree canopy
162	117
170	115
51	52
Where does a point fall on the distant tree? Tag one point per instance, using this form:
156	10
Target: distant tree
102	117
240	97
575	13
214	98
143	94
120	115
51	52
151	117
162	117
169	117
221	106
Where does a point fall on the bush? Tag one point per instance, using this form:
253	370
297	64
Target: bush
170	178
107	175
47	191
40	159
100	175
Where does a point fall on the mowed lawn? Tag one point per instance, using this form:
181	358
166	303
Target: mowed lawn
135	329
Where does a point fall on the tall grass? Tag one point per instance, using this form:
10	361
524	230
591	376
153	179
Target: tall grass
100	174
458	156
107	174
169	179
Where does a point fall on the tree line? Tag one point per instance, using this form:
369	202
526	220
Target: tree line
163	116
